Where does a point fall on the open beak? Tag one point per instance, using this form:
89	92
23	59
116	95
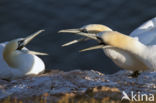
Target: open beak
33	52
31	37
78	32
101	46
25	41
75	41
86	36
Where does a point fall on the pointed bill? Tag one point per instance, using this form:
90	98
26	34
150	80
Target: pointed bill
89	35
78	32
74	41
92	48
32	36
37	53
70	43
33	52
95	47
69	31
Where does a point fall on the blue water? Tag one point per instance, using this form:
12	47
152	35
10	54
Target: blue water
19	18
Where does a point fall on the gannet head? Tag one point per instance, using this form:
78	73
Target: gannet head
105	37
18	45
115	39
91	29
13	45
94	28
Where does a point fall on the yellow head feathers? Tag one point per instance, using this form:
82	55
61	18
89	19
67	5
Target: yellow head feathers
8	51
116	39
95	28
120	41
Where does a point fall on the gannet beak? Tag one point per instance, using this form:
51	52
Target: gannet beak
31	37
70	31
33	52
78	32
37	53
88	35
26	40
74	41
96	47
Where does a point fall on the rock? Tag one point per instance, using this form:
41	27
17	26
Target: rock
77	85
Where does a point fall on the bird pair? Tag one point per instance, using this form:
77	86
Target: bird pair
134	52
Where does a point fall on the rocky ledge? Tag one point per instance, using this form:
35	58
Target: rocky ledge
76	85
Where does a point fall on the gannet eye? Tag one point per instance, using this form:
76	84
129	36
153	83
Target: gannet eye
20	44
84	31
101	41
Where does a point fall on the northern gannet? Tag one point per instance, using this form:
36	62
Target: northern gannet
18	61
123	58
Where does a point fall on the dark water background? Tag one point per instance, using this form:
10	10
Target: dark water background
19	18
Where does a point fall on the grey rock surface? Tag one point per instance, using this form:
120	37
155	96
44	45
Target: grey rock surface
77	82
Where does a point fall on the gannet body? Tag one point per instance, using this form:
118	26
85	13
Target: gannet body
122	58
146	33
17	61
141	52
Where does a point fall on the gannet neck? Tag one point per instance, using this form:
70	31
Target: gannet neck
13	50
123	42
8	51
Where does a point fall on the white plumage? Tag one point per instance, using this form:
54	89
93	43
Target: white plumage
17	61
140	58
146	33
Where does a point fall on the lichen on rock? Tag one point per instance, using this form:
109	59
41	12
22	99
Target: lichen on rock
75	83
